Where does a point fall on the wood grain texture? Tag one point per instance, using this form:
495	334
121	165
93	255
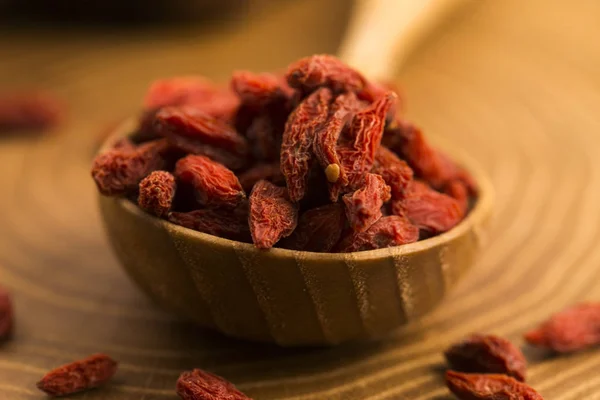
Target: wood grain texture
514	83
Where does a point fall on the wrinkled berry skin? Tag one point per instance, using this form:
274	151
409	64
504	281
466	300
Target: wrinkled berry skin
488	387
487	354
576	328
272	216
201	385
156	193
77	376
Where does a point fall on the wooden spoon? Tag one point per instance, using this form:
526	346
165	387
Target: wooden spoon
288	297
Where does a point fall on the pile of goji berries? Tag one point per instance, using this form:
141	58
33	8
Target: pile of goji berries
318	159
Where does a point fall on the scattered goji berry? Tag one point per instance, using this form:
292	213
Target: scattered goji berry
201	385
393	170
271	216
428	209
156	193
318	229
213	183
489	387
190	122
6	315
389	231
323	70
487	354
363	206
218	222
296	148
88	373
268	172
573	329
118	171
29	110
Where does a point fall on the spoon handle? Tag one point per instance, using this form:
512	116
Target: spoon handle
381	33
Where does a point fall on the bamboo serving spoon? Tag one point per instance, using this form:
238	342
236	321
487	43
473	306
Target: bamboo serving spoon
300	298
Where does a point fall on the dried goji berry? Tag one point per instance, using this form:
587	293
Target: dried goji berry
487	354
386	232
573	329
271	216
458	191
393	170
429	164
366	131
489	387
325	144
265	135
268	172
188	121
296	148
177	91
259	90
323	70
201	385
118	171
77	376
214	184
216	222
428	209
156	193
318	229
363	207
6	315
29	110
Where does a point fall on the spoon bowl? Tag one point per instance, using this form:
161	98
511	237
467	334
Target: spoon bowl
290	297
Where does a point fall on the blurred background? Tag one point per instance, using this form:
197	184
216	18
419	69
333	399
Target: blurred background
515	84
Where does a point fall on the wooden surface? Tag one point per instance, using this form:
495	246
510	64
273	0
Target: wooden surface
514	83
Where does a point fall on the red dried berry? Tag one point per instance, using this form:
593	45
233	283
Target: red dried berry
386	232
296	148
325	144
259	90
366	131
268	172
363	207
190	122
428	209
573	329
272	216
489	387
30	110
177	91
487	354
265	135
429	164
156	193
6	315
201	385
194	146
77	376
216	222
214	184
459	192
318	229
393	170
119	171
323	70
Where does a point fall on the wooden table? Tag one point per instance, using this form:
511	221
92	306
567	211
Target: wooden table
515	83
